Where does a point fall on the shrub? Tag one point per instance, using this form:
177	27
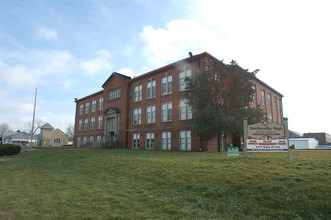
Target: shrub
111	144
9	149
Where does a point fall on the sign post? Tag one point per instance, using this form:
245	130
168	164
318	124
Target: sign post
245	136
287	136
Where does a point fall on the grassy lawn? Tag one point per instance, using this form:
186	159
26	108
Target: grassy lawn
66	183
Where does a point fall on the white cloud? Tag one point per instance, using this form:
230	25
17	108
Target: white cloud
101	63
173	42
21	69
127	71
287	40
47	33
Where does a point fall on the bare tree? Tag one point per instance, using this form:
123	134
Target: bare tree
5	127
70	132
38	123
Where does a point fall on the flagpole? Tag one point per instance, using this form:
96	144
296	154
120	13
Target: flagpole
34	113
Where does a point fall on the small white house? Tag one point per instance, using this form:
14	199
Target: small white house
303	143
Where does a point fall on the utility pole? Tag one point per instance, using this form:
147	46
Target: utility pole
34	113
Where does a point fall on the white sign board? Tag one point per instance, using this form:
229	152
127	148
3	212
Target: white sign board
266	129
279	145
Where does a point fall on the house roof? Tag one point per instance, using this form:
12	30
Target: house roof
47	126
293	134
112	75
20	135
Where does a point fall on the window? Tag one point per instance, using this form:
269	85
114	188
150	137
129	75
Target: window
57	141
150	114
92	123
263	97
87	107
184	78
85	124
166	111
94	105
166	141
166	85
99	138
99	122
78	141
81	109
112	124
185	140
137	116
151	89
84	140
185	111
269	100
114	94
269	117
137	93
80	125
101	104
254	93
150	140
91	138
278	104
136	140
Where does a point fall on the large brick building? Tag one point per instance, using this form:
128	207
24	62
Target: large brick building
150	111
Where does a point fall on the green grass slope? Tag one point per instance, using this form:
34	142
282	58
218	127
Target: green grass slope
66	183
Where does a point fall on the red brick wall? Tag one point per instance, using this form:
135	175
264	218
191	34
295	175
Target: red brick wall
126	105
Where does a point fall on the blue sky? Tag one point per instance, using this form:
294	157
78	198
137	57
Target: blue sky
68	48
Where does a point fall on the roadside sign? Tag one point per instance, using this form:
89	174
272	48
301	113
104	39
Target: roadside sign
279	145
233	151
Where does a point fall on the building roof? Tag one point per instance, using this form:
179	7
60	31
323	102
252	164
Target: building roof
169	66
177	63
91	95
47	126
293	134
112	75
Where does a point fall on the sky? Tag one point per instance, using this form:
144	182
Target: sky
68	48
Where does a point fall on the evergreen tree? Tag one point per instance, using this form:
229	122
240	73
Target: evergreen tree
220	98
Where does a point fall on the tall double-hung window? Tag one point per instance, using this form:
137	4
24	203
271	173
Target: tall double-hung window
136	141
85	124
100	104
100	122
185	110
151	89
166	86
138	93
166	112
81	109
254	93
80	125
87	107
184	78
149	140
263	97
92	123
137	116
166	141
150	114
185	140
94	105
269	100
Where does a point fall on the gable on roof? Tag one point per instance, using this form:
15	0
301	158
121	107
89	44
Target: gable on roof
47	126
112	76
